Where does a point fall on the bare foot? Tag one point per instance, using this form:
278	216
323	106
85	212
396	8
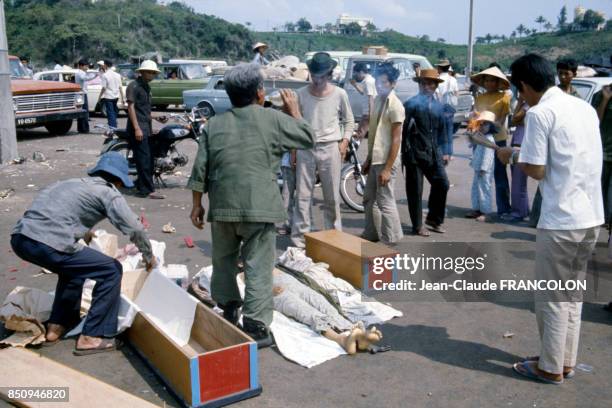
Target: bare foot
349	342
372	336
54	332
88	342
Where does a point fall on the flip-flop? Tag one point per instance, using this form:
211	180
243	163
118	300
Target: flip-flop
373	349
569	374
523	368
105	345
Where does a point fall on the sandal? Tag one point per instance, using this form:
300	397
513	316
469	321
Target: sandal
524	369
104	346
569	374
156	196
422	232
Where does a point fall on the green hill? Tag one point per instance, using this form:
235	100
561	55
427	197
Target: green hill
552	45
67	30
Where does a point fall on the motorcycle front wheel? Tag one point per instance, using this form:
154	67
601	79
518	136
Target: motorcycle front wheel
124	149
352	186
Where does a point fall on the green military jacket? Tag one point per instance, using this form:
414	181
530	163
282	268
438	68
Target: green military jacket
238	159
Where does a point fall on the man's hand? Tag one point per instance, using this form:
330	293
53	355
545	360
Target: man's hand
138	134
365	167
197	217
504	154
384	177
293	158
343	145
89	235
161	119
290	103
149	266
446	159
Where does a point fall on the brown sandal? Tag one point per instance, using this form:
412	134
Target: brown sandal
104	346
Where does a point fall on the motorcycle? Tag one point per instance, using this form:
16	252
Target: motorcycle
166	156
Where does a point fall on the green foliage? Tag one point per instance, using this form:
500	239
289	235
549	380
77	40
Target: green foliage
303	25
67	30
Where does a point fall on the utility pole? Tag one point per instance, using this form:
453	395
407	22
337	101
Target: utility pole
470	42
8	136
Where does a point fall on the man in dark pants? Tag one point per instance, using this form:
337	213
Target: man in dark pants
425	152
48	235
140	129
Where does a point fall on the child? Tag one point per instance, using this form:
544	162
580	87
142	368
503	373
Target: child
497	101
567	69
482	163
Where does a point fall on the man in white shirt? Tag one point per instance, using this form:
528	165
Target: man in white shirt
447	94
110	93
562	149
365	84
80	78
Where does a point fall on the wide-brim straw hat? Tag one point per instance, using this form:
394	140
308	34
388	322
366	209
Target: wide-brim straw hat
488	116
478	78
259	44
148	65
428	74
443	63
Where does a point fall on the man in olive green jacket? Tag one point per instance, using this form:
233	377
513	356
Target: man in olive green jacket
237	162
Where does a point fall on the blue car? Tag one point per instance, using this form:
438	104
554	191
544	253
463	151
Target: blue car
212	100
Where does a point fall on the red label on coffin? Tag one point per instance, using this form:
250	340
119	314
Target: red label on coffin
224	372
386	276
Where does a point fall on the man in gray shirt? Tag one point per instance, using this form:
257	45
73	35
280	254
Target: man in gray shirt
80	78
48	235
327	109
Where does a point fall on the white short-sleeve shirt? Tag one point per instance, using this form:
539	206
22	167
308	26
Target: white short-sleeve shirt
111	82
562	133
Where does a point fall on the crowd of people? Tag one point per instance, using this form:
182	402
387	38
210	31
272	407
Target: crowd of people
557	141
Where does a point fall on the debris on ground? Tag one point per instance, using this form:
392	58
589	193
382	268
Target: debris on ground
585	368
508	335
6	193
19	160
144	221
38	157
31	186
168	228
188	241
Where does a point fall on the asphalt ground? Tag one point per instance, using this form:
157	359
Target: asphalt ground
444	354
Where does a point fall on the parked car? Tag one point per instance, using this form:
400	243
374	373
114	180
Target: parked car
405	87
341	57
208	64
587	87
94	86
213	99
465	103
51	104
174	78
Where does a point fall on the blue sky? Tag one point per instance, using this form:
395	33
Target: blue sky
446	19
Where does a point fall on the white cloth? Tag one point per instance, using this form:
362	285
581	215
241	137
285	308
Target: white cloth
447	91
562	133
111	82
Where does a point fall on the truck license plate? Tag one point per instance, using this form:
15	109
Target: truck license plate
26	121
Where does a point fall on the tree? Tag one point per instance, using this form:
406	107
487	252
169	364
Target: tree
352	29
488	38
441	40
513	34
562	19
609	25
540	20
548	26
289	27
441	53
303	25
592	20
425	37
371	28
521	30
248	24
329	27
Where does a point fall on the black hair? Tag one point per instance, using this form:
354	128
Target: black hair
361	67
444	68
108	63
496	65
83	62
24	58
534	70
569	64
109	178
387	68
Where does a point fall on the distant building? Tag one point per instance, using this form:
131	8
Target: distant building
346	19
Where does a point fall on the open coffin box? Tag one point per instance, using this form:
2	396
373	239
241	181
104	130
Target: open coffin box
217	367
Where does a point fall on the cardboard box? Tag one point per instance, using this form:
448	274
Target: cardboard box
350	257
217	367
375	50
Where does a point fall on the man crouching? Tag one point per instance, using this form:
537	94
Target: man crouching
236	164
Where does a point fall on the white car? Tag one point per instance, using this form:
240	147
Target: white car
93	86
587	87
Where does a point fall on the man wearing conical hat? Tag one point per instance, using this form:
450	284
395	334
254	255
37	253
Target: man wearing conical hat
425	152
496	100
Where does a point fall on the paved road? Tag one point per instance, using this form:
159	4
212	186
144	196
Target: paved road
444	354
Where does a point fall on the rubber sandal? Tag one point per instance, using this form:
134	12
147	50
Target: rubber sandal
374	349
105	345
156	196
524	369
570	374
